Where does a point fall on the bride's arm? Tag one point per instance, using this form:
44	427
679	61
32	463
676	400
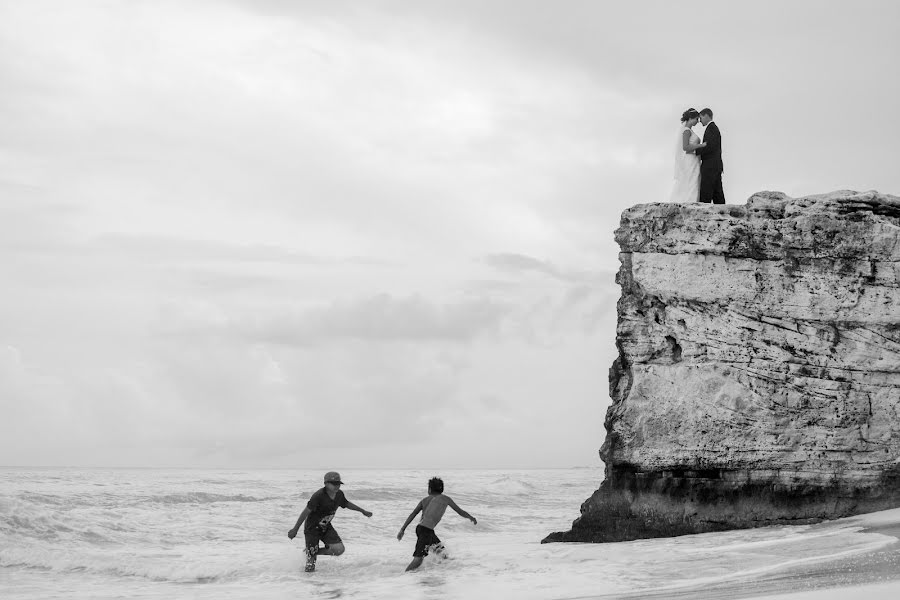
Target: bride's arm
686	144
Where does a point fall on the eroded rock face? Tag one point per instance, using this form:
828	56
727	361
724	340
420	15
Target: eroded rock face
758	377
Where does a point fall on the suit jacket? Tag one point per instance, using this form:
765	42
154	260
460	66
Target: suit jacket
711	156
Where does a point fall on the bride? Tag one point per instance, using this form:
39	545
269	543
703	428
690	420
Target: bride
687	164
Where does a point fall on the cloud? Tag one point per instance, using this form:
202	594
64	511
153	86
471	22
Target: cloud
382	317
576	301
510	261
244	231
303	132
516	263
218	405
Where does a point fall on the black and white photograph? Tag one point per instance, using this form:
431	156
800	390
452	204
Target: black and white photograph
449	299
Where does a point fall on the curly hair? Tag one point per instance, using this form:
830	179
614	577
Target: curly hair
689	114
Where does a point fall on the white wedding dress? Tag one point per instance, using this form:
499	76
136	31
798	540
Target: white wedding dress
687	171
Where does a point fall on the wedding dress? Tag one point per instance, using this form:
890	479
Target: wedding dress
687	171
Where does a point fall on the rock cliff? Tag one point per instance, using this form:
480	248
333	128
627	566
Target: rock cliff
758	376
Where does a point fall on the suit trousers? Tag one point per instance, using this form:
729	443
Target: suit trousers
711	186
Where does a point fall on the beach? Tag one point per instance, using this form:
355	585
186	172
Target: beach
156	533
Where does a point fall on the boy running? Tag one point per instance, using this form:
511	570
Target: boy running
432	508
318	514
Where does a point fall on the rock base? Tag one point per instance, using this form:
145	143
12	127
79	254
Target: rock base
636	505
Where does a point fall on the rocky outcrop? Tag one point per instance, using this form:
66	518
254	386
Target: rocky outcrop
758	377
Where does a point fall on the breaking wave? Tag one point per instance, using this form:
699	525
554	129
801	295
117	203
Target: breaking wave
202	498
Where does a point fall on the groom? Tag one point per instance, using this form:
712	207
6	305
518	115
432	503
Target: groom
711	161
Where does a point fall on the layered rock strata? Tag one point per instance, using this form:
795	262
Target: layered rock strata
758	376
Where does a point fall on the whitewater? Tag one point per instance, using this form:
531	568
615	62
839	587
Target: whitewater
158	533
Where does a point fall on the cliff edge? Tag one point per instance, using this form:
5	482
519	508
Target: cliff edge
758	376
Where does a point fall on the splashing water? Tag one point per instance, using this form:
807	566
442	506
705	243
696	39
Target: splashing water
223	534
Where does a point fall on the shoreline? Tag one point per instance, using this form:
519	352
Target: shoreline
875	573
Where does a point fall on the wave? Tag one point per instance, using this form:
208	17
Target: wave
175	569
201	498
20	519
51	499
511	486
405	495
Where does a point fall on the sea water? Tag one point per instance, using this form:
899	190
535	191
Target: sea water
148	533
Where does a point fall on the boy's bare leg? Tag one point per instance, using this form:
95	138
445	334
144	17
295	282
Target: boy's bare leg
416	562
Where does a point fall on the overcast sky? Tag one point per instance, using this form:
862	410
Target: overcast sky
375	234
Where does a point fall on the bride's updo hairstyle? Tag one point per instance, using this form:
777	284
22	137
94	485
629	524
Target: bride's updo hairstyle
689	114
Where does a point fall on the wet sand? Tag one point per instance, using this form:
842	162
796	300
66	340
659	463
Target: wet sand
875	574
877	591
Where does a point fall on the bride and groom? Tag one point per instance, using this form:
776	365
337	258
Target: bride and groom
698	165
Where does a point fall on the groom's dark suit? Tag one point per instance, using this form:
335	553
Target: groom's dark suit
711	166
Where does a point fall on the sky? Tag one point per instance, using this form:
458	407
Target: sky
294	234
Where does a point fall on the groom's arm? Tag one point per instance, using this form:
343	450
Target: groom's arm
713	140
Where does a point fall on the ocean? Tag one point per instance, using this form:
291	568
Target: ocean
184	533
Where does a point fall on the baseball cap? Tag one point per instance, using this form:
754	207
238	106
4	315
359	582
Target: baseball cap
333	477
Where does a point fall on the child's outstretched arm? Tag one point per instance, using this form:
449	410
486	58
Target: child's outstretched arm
409	519
293	532
460	511
352	506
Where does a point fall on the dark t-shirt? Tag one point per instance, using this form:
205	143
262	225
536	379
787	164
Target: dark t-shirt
322	508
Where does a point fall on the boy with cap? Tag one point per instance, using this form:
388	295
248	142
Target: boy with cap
318	514
432	507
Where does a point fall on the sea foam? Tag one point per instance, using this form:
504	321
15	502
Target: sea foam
151	533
